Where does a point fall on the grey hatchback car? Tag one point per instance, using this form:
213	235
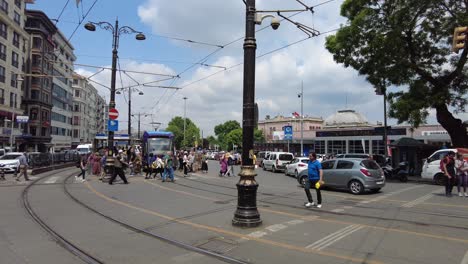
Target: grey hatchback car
355	175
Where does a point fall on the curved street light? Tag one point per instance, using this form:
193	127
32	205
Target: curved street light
116	32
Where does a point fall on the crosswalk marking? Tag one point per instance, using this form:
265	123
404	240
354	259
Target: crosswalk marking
52	180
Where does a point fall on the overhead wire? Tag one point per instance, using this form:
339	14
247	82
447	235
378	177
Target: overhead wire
61	12
79	24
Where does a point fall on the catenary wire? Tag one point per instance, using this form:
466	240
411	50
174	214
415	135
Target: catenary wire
79	24
61	12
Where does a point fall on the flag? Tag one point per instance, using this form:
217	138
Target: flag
295	115
77	2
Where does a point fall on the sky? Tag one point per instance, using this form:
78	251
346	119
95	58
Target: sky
196	47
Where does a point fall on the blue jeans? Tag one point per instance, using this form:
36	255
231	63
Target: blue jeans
168	172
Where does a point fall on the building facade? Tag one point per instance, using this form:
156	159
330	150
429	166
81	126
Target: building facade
345	132
37	99
14	45
62	94
88	110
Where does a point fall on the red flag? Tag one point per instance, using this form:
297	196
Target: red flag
295	115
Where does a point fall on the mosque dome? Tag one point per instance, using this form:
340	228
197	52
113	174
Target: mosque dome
346	118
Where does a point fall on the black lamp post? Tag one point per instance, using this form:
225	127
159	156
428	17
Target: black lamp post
116	31
247	214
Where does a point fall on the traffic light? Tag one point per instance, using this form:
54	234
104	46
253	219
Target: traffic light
459	38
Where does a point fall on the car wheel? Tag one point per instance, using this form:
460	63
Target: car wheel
263	166
296	173
273	169
356	187
440	179
303	181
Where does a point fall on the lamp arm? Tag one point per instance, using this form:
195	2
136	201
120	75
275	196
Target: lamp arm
128	30
104	25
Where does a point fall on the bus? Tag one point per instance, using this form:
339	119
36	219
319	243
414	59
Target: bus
157	142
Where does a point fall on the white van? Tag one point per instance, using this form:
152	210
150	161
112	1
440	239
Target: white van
431	168
276	161
85	148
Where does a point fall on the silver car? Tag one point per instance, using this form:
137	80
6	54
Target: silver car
355	175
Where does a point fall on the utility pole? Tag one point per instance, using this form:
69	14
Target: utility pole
129	117
302	118
185	115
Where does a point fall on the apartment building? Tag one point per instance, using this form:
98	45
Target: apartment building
62	94
14	45
88	111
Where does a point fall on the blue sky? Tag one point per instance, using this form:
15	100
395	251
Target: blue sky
328	86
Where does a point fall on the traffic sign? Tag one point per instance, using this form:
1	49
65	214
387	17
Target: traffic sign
113	125
113	113
288	133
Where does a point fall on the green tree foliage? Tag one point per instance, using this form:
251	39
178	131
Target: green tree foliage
407	43
222	130
258	136
192	132
212	141
233	138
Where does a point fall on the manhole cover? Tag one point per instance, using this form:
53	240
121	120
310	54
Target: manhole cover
218	245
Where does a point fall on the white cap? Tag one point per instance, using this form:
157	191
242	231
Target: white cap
120	151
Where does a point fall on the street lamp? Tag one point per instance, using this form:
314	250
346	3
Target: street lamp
185	114
382	90
116	31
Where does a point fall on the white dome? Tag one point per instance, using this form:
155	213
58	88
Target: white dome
346	118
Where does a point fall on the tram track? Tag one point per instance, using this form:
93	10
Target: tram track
165	239
268	201
62	241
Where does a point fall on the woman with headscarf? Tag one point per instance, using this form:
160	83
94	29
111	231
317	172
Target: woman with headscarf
96	164
224	166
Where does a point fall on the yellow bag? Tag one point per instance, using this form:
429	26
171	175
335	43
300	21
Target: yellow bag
317	185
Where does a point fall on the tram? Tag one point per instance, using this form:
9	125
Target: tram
157	142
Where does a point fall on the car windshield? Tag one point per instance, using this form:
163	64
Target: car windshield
285	157
370	164
304	160
10	157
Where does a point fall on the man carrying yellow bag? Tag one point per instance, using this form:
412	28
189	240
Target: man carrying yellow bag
315	180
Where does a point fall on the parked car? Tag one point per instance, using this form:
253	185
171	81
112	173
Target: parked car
261	155
431	167
355	175
353	155
277	161
10	161
296	166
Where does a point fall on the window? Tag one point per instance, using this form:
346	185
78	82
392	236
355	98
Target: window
37	43
17	18
327	165
2	96
12	99
3	30
76	120
75	81
14	59
14	80
35	94
76	108
2	74
344	164
16	39
4	6
18	3
44	131
45	116
77	93
76	133
33	131
2	52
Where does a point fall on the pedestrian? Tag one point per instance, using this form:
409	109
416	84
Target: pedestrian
191	159
149	165
158	166
168	169
448	164
315	175
90	163
186	164
181	161
461	167
103	166
97	164
83	163
137	163
23	167
204	166
231	163
119	164
223	166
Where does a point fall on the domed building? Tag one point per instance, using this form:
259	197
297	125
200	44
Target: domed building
346	119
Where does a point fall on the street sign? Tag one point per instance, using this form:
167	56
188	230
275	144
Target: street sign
288	133
113	114
113	125
22	119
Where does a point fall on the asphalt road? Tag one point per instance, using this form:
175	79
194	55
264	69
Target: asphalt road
404	223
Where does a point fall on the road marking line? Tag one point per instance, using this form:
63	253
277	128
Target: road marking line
257	234
338	210
340	237
348	207
465	259
275	228
316	218
231	233
418	200
330	237
52	180
295	222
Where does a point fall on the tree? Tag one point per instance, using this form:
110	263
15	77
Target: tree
407	43
192	132
222	130
212	141
233	138
258	136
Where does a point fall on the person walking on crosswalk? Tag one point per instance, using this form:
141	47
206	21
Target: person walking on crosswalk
315	179
23	167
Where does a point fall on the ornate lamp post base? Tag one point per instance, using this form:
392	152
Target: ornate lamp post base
247	214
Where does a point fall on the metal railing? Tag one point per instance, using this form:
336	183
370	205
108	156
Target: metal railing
38	160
